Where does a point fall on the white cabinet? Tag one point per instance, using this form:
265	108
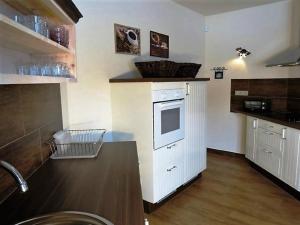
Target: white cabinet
291	167
251	134
275	148
165	169
168	170
195	112
270	147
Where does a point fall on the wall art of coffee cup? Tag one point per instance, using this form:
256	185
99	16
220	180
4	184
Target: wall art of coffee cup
159	45
127	40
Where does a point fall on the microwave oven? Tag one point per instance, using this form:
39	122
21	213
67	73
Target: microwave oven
257	105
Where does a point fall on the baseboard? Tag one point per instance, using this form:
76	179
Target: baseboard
222	152
150	207
275	180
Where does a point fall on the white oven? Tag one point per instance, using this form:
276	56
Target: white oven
168	117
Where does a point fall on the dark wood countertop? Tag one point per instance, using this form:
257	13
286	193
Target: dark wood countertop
171	79
108	186
272	118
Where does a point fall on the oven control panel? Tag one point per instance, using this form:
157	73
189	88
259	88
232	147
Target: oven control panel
167	95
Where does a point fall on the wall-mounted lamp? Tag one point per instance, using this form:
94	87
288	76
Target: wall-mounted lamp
243	53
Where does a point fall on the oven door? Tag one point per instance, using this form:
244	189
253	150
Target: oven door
168	122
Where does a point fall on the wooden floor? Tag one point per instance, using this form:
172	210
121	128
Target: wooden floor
230	192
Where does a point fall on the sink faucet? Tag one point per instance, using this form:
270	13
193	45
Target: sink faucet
16	174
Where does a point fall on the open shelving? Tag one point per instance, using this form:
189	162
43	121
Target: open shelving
18	37
20	45
30	79
47	8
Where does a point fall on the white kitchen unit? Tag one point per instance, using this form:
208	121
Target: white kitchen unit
170	135
291	159
251	138
195	124
275	148
19	45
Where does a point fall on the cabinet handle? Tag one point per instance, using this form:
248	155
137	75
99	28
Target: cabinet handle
266	151
254	124
188	89
171	146
283	135
169	170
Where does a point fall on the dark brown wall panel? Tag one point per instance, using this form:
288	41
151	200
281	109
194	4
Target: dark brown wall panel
268	87
294	88
29	115
239	84
11	116
283	93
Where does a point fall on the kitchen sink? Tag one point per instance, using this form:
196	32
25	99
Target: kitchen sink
67	218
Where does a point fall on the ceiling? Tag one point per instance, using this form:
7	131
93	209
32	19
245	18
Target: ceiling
212	7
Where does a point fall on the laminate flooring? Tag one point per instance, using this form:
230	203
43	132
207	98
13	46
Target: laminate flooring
230	192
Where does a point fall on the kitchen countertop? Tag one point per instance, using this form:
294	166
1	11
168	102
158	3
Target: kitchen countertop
272	117
170	79
108	186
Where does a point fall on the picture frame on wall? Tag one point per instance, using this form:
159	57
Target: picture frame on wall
127	40
219	75
159	45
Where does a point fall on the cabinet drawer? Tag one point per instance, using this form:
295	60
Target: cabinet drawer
271	139
269	161
168	154
168	170
273	127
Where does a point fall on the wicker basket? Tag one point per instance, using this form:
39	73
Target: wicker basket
161	68
187	70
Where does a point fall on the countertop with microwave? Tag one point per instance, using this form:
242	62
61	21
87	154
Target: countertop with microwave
108	186
289	119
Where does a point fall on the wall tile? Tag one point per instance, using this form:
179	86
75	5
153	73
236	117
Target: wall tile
11	117
294	88
25	155
29	115
40	104
268	87
239	84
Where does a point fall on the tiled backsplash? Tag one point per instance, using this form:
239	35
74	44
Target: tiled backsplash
284	93
29	115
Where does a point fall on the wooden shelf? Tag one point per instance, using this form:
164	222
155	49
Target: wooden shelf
16	36
28	79
47	8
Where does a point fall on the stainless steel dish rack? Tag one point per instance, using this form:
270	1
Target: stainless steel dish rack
78	144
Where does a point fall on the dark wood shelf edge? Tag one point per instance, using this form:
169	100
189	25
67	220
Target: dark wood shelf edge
150	207
70	9
132	80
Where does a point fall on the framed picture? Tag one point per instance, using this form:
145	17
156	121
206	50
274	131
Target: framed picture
159	45
219	74
127	40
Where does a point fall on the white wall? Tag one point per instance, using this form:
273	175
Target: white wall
265	31
88	101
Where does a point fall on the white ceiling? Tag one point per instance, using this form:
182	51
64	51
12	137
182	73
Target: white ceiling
212	7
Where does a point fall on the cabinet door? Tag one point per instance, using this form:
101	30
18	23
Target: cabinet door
290	172
252	124
168	170
195	113
270	151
